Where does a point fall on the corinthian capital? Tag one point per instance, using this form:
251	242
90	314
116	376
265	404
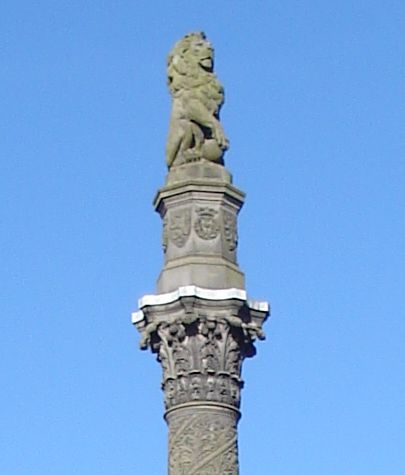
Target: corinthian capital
201	338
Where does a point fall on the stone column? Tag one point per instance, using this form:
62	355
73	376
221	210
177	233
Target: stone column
200	324
201	338
203	440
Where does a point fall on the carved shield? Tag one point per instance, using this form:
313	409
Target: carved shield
179	227
206	225
230	229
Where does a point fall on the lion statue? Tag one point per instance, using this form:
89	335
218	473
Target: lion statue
195	132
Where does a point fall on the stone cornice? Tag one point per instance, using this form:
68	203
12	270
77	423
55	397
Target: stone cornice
198	292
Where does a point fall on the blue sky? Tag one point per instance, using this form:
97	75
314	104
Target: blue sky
314	111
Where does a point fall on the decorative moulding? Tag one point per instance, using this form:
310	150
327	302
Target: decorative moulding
199	292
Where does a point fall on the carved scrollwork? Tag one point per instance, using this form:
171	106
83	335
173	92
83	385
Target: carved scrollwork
202	387
232	358
201	350
182	359
201	360
209	357
203	444
201	344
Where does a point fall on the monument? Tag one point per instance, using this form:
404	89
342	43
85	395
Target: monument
200	323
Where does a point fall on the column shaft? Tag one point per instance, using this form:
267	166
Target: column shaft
203	440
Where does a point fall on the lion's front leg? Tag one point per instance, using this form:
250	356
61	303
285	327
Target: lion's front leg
198	113
219	135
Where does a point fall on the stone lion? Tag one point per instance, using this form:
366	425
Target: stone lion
195	131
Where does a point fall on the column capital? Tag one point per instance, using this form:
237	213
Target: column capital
201	337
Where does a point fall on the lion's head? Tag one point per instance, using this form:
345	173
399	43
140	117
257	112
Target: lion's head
191	57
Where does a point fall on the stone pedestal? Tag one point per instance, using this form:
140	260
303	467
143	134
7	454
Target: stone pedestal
200	324
199	208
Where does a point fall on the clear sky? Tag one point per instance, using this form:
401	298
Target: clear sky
315	103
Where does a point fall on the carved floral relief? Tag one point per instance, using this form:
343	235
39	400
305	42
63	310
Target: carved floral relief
203	444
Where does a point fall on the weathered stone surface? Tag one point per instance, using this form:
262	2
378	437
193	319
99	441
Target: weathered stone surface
198	172
195	132
201	344
203	440
199	208
201	337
